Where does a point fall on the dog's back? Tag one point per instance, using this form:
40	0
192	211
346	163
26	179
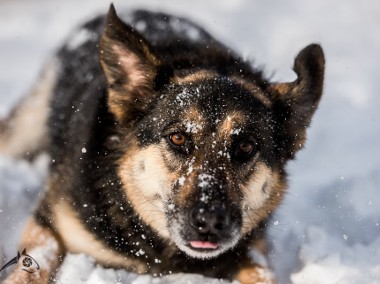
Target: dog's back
24	133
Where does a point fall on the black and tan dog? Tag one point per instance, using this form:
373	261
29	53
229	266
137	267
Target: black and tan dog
167	154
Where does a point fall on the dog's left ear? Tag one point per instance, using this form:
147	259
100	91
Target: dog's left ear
130	67
297	101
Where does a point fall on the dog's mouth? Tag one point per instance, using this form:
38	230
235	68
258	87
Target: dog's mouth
204	233
203	246
205	249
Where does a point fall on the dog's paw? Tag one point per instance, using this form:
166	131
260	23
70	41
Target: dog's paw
19	276
255	274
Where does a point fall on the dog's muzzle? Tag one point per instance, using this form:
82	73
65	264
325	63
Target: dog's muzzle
208	223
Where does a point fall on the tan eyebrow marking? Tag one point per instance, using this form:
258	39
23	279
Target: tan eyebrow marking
199	75
255	91
227	125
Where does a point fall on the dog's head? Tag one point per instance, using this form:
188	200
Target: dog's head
204	154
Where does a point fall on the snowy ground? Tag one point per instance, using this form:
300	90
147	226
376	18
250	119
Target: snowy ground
327	230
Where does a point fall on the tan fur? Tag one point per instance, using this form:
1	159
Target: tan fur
197	76
116	109
136	77
227	127
281	88
186	189
147	183
45	248
83	241
26	130
254	268
262	194
194	123
254	274
128	62
193	115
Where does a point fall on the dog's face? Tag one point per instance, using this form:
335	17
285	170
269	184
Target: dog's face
205	165
205	155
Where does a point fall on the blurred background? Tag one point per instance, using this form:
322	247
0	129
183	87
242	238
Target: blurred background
327	230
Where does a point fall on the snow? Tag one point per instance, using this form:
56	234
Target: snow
183	97
45	255
192	127
205	180
81	269
181	180
327	230
358	263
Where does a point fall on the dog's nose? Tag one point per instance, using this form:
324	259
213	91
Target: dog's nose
209	221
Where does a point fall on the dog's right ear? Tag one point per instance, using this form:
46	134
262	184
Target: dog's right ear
296	102
130	68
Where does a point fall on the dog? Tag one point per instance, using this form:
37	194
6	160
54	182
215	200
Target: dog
167	149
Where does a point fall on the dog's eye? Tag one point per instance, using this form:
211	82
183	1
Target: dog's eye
177	139
245	149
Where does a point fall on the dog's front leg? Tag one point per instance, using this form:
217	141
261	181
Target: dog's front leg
251	272
46	250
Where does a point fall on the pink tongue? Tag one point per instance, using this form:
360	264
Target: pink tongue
204	245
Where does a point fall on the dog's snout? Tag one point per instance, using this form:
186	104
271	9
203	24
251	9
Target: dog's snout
209	221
